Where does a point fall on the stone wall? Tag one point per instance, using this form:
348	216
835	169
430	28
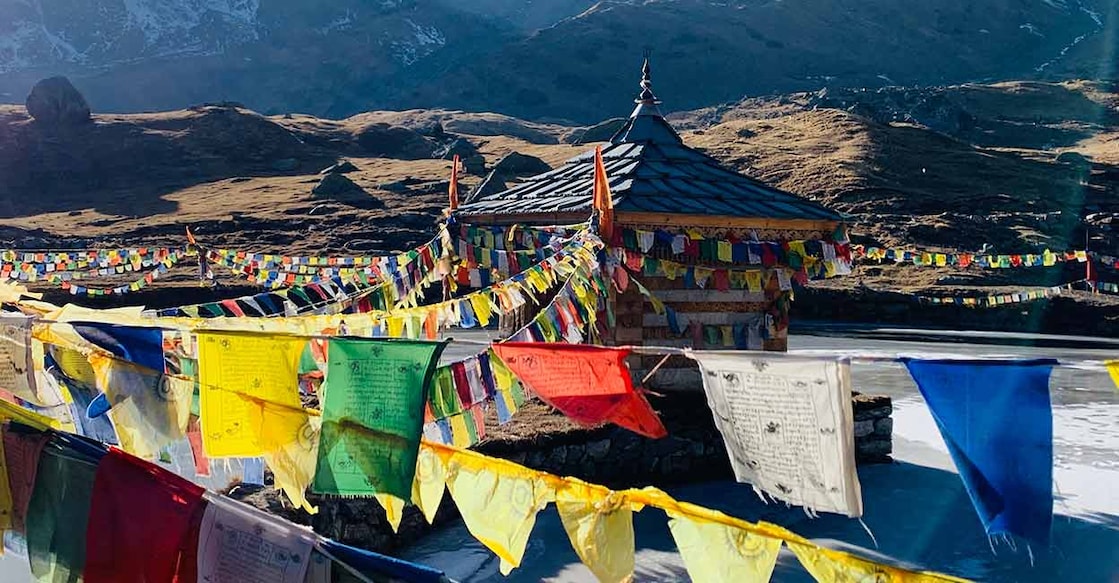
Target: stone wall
541	439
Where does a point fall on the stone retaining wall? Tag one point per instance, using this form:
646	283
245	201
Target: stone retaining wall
539	439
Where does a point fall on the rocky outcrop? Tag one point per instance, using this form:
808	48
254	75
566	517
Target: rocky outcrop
384	141
338	187
55	101
518	164
599	132
341	167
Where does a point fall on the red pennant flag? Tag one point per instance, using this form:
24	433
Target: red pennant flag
603	201
452	190
588	384
143	523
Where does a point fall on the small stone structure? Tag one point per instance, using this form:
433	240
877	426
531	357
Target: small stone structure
611	456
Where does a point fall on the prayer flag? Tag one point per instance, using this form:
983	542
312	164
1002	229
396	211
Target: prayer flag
996	419
17	373
603	201
22	450
240	376
149	410
291	447
6	506
600	527
377	566
498	501
787	425
58	513
1113	368
829	566
239	543
431	480
452	189
142	346
720	553
374	397
143	523
589	384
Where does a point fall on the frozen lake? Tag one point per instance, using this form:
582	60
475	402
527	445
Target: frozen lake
916	508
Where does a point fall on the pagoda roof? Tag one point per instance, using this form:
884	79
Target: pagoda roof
650	170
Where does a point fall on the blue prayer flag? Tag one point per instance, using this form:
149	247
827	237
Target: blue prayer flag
143	346
376	565
996	418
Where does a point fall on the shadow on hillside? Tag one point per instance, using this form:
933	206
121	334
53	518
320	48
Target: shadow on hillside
125	165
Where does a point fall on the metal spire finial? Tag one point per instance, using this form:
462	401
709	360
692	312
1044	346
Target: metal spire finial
647	96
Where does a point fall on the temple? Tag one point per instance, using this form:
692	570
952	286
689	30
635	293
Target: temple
719	249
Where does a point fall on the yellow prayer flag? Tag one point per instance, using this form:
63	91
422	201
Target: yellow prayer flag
718	552
724	251
600	526
483	308
74	365
149	410
460	435
498	502
1113	368
394	509
429	483
828	566
12	412
395	325
241	374
754	281
290	445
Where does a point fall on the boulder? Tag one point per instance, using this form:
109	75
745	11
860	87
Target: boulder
55	101
517	164
460	147
339	188
342	167
600	132
332	185
384	141
490	184
475	164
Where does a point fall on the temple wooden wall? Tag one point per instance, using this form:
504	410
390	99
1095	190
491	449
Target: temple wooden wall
637	324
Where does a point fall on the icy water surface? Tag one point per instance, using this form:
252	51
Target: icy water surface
916	508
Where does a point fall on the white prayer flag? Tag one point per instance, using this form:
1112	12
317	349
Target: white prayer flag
788	426
17	373
238	544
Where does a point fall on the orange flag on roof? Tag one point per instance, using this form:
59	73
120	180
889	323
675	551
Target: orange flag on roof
452	190
588	384
603	201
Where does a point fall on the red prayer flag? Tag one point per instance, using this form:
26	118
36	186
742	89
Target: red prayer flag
588	384
21	455
143	523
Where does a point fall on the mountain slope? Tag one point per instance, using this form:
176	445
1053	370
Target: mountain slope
560	59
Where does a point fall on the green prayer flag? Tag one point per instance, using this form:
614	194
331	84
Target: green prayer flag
373	410
57	515
307	361
443	398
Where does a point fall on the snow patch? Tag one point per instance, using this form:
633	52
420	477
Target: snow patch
125	30
425	40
